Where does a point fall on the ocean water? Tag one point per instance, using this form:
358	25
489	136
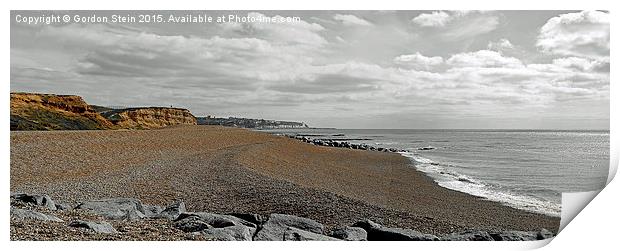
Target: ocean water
525	169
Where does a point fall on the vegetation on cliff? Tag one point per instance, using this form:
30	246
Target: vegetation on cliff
33	111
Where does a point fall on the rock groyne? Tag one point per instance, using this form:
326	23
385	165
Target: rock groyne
41	209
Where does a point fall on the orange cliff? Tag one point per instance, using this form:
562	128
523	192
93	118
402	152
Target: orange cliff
33	111
150	117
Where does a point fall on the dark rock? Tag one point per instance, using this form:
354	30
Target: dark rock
468	236
514	236
399	234
115	208
294	234
350	234
98	227
36	199
62	206
231	233
254	218
151	211
377	232
426	148
191	224
277	224
544	234
366	225
24	214
173	211
217	220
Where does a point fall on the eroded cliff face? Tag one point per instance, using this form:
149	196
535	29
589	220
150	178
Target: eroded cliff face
150	117
33	111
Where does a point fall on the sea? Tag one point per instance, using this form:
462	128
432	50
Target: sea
524	169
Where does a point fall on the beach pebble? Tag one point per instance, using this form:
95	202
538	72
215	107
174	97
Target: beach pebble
97	227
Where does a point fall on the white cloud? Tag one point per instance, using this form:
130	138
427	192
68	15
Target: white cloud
351	20
483	58
456	25
502	44
302	32
434	19
582	34
471	27
582	64
418	61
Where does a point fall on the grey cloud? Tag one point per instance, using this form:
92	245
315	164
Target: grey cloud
329	83
392	68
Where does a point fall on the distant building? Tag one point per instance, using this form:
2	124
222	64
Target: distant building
249	123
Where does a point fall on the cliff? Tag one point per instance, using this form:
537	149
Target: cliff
33	111
149	117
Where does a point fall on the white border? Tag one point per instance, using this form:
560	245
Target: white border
595	227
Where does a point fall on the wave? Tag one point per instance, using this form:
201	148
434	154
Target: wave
448	178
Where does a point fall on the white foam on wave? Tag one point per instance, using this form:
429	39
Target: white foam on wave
450	179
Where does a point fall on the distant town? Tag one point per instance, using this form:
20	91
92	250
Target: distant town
249	123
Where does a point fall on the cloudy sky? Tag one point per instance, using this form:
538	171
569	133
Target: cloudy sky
346	69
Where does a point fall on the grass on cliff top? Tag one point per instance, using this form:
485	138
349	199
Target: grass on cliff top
38	119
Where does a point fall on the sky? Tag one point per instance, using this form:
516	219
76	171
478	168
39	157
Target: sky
344	69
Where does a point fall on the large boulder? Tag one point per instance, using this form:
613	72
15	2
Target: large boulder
172	212
35	199
277	224
350	234
230	233
97	227
152	211
514	236
217	220
544	234
367	225
24	214
191	224
115	208
468	236
294	234
63	206
377	232
254	218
